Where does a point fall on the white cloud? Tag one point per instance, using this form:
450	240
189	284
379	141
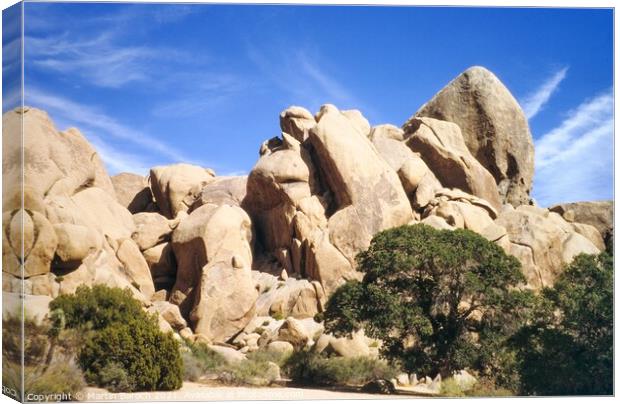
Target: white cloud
534	102
97	60
92	121
574	161
117	160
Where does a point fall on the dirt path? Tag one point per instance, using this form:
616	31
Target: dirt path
202	392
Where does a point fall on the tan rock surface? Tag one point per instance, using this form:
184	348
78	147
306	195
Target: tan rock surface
494	128
133	192
543	241
442	147
176	187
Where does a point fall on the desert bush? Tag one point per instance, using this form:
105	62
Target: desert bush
95	308
57	378
260	368
35	339
47	370
487	387
279	358
150	358
450	388
120	337
310	368
114	378
451	293
199	360
249	372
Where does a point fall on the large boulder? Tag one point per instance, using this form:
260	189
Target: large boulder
152	229
368	198
55	162
39	243
75	243
443	149
176	187
135	266
100	211
494	128
133	192
297	121
214	286
223	191
543	241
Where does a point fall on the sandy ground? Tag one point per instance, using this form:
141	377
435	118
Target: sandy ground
202	392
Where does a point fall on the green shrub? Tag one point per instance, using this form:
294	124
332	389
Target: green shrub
309	368
150	358
569	349
96	307
114	378
423	285
123	348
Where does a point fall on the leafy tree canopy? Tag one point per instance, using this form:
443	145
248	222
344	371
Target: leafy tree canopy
439	300
569	349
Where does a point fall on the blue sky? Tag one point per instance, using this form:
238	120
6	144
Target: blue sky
156	84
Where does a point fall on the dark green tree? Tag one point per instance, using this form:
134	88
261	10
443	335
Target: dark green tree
150	358
439	300
569	350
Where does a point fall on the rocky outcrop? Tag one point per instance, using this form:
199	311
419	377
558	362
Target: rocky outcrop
151	229
542	241
417	179
75	232
245	263
494	127
314	207
599	214
441	146
55	162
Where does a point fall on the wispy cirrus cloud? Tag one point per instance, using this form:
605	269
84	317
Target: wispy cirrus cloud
119	161
301	74
98	60
104	130
534	102
106	50
201	92
574	161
